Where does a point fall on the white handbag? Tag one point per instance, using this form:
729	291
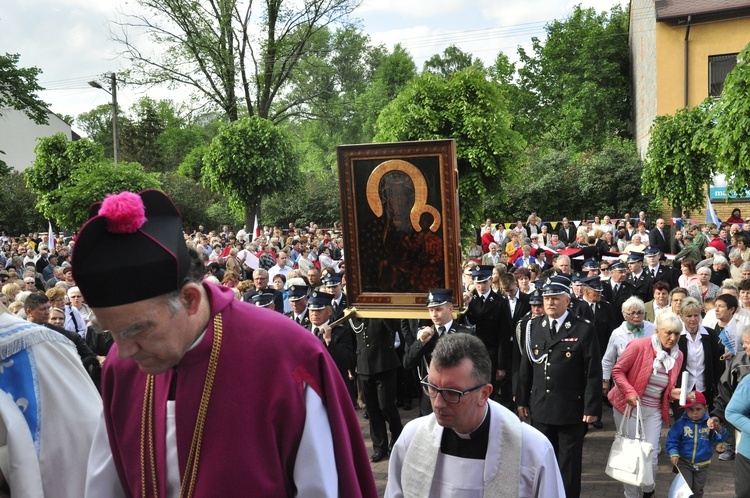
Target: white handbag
630	459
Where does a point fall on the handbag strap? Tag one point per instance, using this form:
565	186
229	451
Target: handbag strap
624	429
638	422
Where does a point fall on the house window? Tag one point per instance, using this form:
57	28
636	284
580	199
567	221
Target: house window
718	68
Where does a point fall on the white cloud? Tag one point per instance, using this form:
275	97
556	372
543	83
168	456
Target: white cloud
414	8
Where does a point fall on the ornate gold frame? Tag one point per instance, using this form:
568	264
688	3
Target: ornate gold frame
401	234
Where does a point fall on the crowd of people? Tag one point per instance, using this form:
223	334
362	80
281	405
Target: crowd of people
556	322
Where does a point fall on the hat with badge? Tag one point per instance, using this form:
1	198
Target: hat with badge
694	398
576	279
297	292
590	264
651	251
593	283
130	234
635	257
439	297
319	300
555	285
263	300
618	266
536	298
333	279
481	273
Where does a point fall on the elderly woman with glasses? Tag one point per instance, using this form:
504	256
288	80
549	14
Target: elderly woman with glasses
702	352
646	374
633	327
703	289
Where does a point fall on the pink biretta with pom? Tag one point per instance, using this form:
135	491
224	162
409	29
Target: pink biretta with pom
125	212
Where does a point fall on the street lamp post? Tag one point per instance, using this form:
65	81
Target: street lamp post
113	92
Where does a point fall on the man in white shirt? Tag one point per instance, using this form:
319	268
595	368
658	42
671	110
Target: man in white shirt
448	453
280	267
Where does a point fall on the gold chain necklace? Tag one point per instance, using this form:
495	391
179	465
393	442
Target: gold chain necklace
147	425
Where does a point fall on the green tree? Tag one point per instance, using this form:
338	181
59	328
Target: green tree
732	132
317	200
197	205
470	108
220	46
192	166
679	161
452	59
19	214
544	185
609	180
139	136
575	86
19	87
97	124
67	177
92	182
248	160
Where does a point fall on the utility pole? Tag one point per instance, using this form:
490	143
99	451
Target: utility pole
113	92
115	135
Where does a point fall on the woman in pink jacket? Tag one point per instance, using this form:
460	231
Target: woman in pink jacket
646	373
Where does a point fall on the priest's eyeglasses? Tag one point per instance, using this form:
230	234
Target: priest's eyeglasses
452	396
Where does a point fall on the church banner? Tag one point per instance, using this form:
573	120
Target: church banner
399	204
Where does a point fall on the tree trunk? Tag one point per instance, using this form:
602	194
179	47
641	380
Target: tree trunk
251	211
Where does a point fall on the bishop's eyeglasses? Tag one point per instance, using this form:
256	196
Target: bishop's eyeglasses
452	396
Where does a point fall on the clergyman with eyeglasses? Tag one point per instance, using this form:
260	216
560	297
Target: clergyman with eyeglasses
448	453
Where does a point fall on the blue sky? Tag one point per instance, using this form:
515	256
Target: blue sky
70	39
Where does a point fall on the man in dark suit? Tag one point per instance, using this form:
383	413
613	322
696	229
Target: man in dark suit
567	232
518	306
332	283
659	236
490	314
561	379
377	363
337	340
419	353
658	271
618	290
599	312
260	279
640	279
298	295
536	303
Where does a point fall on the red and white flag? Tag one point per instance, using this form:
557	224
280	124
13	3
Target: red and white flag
50	239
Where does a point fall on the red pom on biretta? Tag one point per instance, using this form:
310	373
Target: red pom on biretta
125	212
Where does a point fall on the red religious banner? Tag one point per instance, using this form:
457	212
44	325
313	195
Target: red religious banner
399	204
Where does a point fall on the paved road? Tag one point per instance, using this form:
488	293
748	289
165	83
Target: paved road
595	483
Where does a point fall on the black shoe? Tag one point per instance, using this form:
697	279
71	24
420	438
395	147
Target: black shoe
367	416
650	494
377	456
598	424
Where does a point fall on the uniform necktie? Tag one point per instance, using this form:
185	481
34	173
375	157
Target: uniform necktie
298	319
617	287
482	299
316	331
593	309
553	329
333	305
441	331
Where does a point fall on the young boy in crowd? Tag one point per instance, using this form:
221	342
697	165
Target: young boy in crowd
708	305
691	439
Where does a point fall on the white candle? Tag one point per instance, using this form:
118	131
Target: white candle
684	391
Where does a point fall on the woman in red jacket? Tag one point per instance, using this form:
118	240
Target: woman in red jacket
646	373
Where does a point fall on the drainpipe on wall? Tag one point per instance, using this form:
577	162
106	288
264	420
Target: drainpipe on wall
687	51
